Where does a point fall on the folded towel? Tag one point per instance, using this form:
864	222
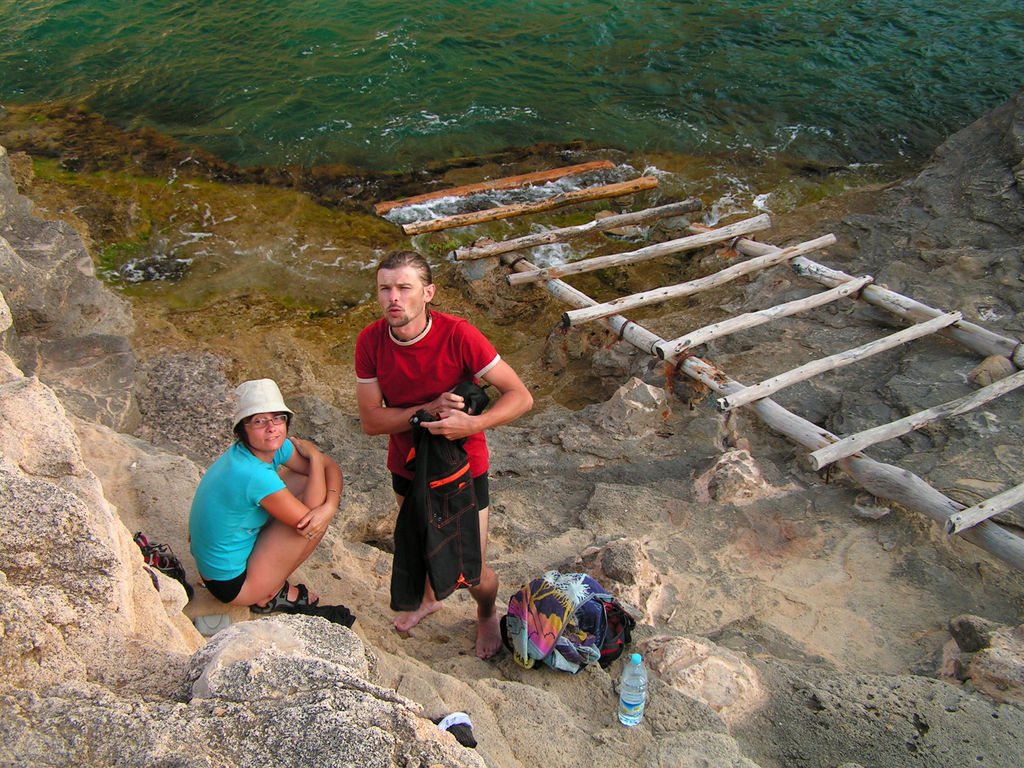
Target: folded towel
339	614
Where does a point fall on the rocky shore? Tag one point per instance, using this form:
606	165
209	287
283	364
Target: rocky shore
787	618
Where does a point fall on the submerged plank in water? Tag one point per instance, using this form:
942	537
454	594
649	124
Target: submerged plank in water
508	182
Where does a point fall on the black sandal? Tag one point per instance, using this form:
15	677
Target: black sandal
280	601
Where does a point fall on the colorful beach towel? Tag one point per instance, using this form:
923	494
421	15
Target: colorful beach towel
566	621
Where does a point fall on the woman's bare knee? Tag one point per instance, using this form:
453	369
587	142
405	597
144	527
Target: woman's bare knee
294	482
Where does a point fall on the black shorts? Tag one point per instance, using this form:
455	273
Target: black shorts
481	487
226	591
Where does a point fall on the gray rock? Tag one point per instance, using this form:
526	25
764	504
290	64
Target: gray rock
877	720
972	633
252	659
636	410
150	488
93	375
5	315
49	279
70	564
186	402
68	327
83	724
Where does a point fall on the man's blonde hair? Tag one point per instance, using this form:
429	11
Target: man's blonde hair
399	259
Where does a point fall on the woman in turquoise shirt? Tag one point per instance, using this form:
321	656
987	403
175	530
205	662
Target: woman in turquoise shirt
262	507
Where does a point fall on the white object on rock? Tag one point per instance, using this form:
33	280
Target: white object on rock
209	626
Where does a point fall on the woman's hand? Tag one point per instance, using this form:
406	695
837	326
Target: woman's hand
314	524
305	448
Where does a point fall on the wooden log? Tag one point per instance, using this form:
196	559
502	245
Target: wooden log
520	209
563	234
970	517
974	337
693	286
508	182
626	329
671	350
858	442
838	360
690	242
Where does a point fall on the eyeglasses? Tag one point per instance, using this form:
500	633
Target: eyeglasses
262	421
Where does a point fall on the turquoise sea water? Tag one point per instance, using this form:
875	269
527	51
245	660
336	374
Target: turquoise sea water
391	84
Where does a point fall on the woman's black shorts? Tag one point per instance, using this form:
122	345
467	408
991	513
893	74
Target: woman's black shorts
226	591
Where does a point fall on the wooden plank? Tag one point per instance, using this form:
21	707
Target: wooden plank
563	234
694	286
971	516
508	182
974	337
519	209
671	350
858	442
690	242
838	360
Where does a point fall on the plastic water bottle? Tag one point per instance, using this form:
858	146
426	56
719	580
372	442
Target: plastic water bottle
632	691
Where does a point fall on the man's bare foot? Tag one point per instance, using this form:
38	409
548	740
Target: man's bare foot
488	636
406	621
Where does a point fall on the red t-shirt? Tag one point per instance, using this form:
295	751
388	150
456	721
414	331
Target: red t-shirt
414	372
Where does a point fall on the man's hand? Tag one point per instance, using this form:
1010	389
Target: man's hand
445	405
453	425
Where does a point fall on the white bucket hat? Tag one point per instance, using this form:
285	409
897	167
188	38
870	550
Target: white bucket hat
257	396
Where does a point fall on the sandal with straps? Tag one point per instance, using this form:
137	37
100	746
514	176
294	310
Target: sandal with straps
164	560
280	601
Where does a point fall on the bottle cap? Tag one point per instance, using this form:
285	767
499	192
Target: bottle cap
635	658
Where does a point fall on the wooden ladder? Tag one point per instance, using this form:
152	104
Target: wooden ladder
824	448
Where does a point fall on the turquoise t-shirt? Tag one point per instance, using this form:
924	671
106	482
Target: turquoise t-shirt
226	515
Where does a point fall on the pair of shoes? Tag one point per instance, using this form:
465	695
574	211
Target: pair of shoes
280	601
164	560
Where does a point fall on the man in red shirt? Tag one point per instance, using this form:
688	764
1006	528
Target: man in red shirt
410	360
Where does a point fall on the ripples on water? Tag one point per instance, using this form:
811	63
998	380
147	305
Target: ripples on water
395	84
